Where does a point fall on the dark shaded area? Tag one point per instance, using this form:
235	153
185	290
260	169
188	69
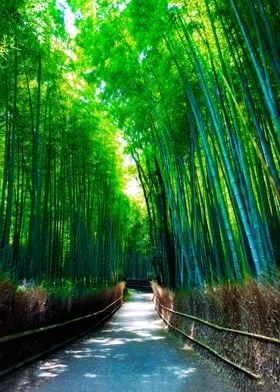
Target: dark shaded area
140	285
55	312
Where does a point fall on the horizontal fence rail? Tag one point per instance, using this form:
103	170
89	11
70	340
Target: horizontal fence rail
60	345
19	335
246	371
220	328
141	285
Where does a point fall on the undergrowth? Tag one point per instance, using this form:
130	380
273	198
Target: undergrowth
252	307
27	306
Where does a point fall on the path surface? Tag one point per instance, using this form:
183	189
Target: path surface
132	352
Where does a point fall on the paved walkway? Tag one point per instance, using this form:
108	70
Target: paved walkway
133	351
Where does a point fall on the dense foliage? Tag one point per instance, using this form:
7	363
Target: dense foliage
63	215
194	88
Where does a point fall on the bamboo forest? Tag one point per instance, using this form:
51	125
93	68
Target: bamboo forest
140	195
139	139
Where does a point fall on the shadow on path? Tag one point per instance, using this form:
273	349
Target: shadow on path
132	351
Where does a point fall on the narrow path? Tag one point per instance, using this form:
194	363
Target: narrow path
133	351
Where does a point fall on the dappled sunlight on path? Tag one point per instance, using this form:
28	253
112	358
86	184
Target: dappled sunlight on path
132	350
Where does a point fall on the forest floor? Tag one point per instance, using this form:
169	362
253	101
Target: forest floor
132	350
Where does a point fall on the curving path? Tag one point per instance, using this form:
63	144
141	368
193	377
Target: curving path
133	351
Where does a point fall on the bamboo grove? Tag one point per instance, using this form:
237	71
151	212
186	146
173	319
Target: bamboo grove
63	215
194	88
